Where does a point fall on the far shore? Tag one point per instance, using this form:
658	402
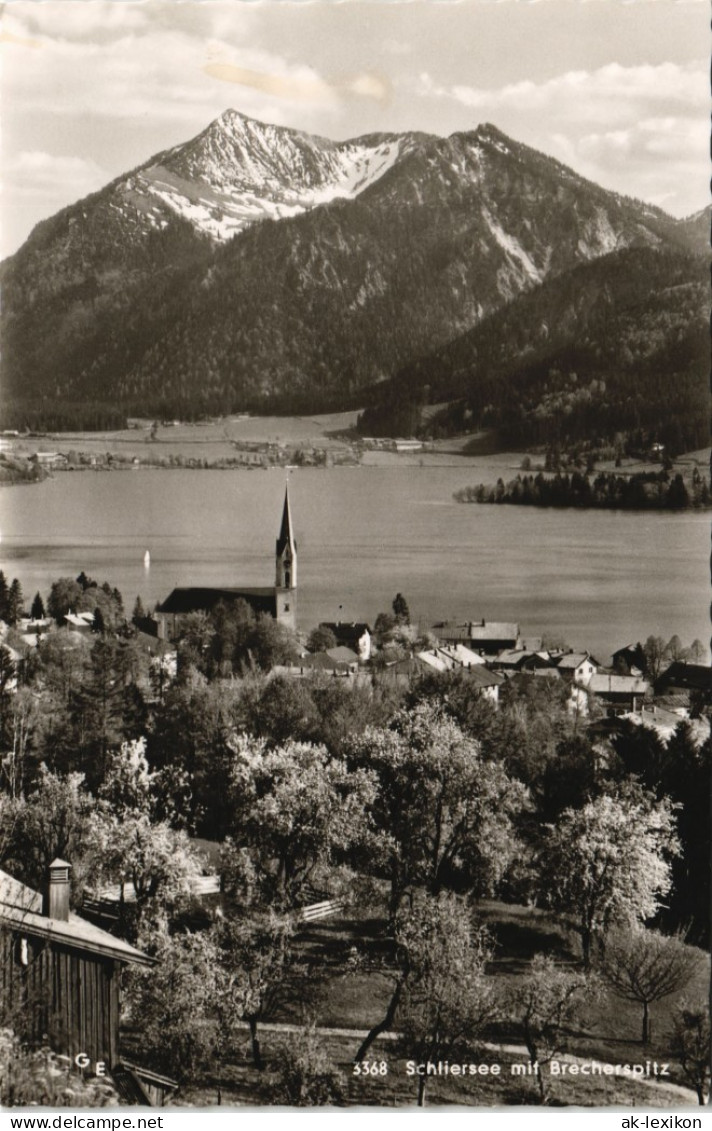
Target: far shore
266	442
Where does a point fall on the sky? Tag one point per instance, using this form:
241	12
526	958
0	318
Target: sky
617	89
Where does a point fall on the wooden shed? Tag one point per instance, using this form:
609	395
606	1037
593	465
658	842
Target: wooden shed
60	973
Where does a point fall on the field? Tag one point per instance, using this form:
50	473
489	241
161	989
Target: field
330	434
348	995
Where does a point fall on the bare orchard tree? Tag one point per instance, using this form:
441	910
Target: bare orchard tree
545	1003
691	1046
644	966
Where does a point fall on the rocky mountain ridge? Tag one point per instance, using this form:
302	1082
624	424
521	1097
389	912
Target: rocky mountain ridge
258	267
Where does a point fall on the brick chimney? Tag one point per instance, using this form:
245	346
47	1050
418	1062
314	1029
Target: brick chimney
57	903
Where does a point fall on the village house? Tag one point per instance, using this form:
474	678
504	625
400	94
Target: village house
520	660
629	660
51	459
79	622
38	626
354	635
339	661
681	676
487	637
60	976
578	667
618	693
448	657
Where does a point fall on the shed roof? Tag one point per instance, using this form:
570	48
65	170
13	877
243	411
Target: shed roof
21	908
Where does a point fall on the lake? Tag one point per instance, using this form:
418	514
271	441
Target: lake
600	579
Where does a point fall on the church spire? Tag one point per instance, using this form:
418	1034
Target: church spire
286	549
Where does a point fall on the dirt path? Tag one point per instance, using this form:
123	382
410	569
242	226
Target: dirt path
686	1095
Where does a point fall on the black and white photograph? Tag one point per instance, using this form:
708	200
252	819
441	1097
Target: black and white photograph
355	510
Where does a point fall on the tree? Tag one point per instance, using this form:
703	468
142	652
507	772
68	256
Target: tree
271	643
4	590
645	967
155	861
655	655
306	1077
697	652
57	818
172	1004
400	609
258	970
298	809
320	639
128	781
383	627
608	863
22	723
284	710
674	650
37	611
65	595
447	998
191	731
15	603
691	1046
444	815
545	1002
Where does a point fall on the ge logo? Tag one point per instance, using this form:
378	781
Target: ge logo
83	1061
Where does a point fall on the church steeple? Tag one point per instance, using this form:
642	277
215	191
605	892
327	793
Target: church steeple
286	556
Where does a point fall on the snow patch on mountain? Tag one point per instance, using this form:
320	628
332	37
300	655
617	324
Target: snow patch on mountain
514	249
239	171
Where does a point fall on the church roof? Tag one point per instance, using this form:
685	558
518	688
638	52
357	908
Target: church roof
286	535
196	599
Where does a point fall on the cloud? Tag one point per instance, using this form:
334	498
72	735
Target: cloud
40	174
304	85
641	130
66	19
300	88
610	93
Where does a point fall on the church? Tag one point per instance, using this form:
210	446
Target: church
279	600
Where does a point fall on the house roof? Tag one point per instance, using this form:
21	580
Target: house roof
602	684
80	620
478	630
461	654
21	908
573	660
692	676
324	661
196	599
436	659
342	655
483	677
